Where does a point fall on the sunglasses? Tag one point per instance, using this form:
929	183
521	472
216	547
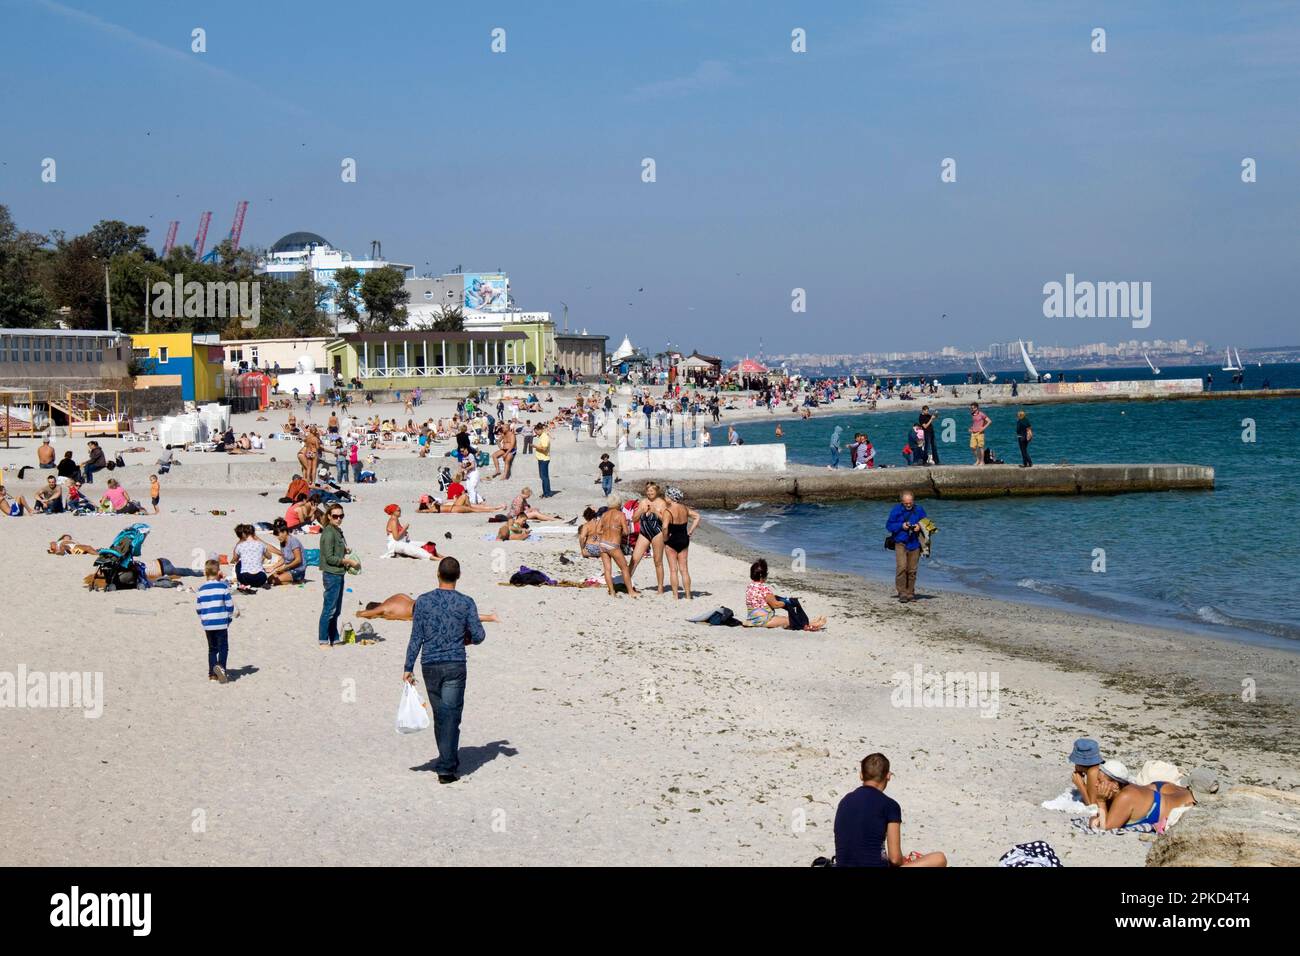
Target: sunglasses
336	515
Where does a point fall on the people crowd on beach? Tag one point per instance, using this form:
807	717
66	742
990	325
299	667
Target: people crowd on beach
619	532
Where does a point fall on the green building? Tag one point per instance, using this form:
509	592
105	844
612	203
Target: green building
382	360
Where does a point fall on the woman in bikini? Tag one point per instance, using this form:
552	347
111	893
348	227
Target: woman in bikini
65	545
311	452
650	512
1122	803
601	536
457	501
680	523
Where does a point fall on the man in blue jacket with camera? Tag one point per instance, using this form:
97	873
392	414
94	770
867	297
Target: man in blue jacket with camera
904	527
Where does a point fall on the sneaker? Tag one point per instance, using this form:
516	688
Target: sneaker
447	778
219	674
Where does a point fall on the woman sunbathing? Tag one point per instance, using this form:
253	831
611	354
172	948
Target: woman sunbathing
65	545
516	529
1123	803
400	607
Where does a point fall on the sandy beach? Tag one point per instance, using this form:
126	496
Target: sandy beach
596	731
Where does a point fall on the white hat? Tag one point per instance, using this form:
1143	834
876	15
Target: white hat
1116	771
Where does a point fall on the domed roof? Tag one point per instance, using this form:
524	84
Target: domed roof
299	242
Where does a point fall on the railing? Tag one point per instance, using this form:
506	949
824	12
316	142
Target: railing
441	371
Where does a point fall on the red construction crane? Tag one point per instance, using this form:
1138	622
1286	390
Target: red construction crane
237	227
171	238
202	237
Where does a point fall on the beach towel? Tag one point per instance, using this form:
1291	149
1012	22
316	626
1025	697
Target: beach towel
1069	802
1083	825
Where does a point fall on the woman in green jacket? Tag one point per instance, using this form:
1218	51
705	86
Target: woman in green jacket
334	563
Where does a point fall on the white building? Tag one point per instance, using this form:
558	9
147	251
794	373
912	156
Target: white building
306	250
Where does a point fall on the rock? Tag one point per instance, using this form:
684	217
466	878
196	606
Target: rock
1202	780
1245	826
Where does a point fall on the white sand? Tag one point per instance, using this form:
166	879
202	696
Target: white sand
596	730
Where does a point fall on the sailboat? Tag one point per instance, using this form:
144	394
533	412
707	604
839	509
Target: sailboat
1232	366
987	377
1154	370
1029	366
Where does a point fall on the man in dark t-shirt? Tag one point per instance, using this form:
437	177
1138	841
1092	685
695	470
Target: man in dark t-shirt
868	824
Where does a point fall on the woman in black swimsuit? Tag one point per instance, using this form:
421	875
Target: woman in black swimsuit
682	522
650	512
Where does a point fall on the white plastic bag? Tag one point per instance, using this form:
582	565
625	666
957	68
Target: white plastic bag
412	713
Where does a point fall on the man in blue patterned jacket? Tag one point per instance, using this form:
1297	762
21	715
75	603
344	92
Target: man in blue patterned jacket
443	623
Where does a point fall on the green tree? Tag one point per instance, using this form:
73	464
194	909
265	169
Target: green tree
112	238
346	281
73	277
23	303
449	318
384	293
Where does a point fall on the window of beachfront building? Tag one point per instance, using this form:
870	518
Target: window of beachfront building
162	355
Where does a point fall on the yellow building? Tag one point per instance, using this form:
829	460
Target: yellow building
175	358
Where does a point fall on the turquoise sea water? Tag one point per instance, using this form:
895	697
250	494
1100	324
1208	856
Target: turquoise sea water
1225	561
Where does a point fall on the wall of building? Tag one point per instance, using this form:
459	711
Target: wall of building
270	352
199	366
63	364
583	354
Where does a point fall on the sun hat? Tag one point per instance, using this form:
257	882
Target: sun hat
1086	753
1116	771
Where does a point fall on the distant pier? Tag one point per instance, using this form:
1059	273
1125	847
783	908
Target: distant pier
969	481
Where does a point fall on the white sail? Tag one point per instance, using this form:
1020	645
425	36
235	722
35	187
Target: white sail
987	376
1150	365
1231	366
1029	366
1237	356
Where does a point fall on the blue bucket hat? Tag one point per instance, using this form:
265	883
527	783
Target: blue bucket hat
1086	753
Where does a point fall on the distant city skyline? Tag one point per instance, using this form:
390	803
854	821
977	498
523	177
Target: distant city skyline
776	173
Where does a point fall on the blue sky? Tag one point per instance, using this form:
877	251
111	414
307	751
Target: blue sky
775	170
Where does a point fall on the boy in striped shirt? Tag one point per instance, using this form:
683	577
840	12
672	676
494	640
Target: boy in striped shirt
216	609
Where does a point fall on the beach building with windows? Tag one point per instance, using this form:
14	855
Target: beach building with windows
63	358
269	354
469	359
181	359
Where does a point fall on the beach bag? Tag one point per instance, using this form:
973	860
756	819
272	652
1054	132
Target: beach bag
311	557
412	713
798	617
722	617
889	542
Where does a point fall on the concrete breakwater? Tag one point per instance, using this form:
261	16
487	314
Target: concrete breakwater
989	481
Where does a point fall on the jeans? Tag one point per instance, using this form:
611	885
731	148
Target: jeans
218	646
835	456
1024	450
544	472
89	471
931	449
328	630
170	570
445	685
356	472
607	484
